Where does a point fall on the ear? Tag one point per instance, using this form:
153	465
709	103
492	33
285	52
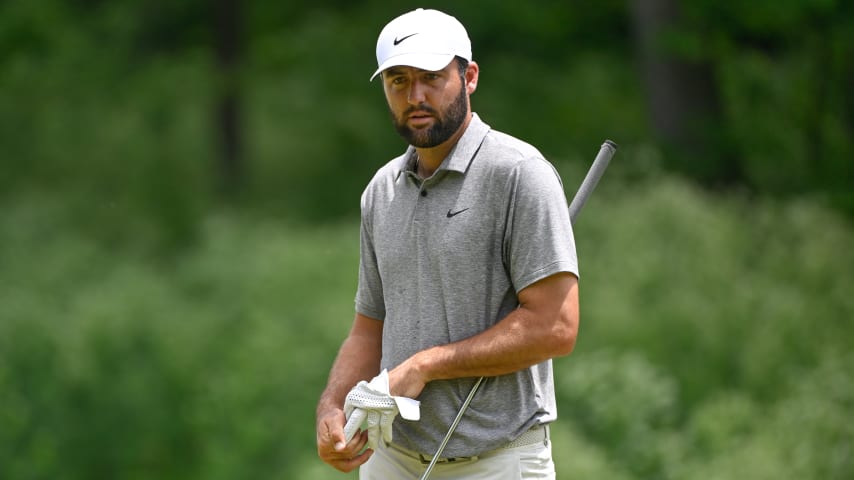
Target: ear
472	72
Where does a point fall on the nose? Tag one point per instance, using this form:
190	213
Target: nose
416	93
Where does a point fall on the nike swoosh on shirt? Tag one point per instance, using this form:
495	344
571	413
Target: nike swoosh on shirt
398	40
453	214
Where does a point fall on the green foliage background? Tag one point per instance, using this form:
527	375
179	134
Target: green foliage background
151	327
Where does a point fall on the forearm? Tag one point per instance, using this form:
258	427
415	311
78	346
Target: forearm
511	345
543	327
358	359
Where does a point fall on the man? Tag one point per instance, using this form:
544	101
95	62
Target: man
467	269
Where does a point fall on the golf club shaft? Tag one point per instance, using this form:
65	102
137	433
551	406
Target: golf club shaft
453	427
600	163
603	158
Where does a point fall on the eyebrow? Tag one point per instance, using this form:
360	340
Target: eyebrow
391	71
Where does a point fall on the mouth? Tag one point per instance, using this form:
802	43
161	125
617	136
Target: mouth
419	118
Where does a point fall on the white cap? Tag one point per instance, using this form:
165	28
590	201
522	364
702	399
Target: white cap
425	39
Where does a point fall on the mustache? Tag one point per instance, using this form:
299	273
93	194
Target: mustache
420	108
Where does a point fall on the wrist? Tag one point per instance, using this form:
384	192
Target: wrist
424	365
326	406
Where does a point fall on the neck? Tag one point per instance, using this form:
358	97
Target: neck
429	159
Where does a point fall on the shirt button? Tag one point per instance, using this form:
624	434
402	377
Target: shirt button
423	193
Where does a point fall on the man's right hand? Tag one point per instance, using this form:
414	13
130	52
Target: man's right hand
332	447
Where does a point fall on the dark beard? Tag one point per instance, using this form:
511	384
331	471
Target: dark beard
443	128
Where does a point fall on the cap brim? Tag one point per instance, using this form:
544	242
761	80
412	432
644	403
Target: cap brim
425	61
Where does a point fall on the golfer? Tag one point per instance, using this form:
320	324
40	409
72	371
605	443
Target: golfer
467	269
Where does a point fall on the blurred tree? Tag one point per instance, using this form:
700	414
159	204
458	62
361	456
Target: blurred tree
740	93
228	33
683	96
781	72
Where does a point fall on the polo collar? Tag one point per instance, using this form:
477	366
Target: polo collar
463	152
460	157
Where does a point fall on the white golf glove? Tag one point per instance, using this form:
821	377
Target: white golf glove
374	402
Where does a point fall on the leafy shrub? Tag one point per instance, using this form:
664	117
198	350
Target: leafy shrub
713	342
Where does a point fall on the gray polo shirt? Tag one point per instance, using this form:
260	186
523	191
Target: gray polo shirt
443	259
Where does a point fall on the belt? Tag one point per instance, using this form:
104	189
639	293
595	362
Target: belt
537	434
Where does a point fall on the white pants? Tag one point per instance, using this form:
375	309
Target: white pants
519	463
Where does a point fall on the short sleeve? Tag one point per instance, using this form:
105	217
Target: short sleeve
539	241
369	295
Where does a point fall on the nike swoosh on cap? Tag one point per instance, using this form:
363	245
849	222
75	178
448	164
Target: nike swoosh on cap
398	40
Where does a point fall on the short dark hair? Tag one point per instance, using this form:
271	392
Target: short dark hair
462	66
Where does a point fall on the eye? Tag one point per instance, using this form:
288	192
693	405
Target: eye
431	76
